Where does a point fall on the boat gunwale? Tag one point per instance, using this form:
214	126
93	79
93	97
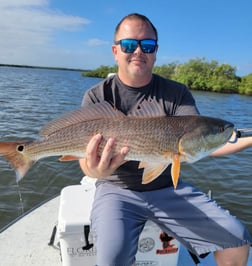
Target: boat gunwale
26	213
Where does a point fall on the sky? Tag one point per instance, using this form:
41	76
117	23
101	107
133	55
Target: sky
79	33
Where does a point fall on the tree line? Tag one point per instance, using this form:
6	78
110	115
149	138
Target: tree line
197	74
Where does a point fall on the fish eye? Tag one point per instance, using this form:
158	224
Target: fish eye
20	147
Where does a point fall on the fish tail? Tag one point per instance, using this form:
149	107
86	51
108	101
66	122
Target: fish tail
13	152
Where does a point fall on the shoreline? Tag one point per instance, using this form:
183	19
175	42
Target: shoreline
44	67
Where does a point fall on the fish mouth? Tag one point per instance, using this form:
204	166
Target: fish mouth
229	127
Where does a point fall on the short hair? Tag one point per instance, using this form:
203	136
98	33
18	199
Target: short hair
136	16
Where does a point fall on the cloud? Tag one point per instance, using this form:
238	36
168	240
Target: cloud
28	29
96	42
19	3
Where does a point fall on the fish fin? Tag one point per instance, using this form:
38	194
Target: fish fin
69	158
175	169
95	111
142	165
148	108
13	152
152	171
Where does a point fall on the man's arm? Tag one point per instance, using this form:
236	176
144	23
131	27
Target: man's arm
234	145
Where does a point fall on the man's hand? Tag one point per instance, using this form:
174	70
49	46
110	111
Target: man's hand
102	166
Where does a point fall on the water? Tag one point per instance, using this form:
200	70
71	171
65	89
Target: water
29	98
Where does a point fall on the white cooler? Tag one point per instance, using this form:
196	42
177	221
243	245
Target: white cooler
74	224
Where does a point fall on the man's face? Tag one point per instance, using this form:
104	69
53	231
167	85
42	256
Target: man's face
136	64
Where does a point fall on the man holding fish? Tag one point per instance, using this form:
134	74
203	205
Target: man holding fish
129	193
132	132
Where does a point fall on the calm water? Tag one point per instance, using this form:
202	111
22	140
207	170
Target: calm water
29	98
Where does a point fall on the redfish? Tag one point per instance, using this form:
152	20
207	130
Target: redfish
154	139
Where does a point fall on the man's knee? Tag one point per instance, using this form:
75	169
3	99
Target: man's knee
232	256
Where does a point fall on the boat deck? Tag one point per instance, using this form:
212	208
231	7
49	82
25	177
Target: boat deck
26	242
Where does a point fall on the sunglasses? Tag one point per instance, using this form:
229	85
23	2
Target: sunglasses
128	46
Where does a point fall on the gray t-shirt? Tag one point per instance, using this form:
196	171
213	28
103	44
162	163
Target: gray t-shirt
174	98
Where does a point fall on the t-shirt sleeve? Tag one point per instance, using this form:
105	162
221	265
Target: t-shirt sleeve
86	100
187	105
93	95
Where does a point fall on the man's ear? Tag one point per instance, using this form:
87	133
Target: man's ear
114	51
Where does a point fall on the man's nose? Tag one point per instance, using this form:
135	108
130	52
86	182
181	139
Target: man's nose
138	49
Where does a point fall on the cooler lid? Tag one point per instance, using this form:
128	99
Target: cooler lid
75	208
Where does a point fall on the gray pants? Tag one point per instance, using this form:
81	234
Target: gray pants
187	214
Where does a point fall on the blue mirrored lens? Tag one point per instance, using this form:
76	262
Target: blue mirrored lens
148	46
130	45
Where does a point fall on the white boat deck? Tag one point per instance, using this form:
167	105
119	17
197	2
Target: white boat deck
26	242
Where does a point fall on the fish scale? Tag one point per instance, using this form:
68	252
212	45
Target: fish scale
141	135
153	140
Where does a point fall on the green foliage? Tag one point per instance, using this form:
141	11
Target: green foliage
245	86
101	72
223	79
166	71
197	74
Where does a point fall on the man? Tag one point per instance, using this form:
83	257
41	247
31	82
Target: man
122	204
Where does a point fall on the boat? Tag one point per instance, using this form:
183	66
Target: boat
57	233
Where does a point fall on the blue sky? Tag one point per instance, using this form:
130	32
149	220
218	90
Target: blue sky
79	34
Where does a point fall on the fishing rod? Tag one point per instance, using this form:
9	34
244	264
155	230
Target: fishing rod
243	132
